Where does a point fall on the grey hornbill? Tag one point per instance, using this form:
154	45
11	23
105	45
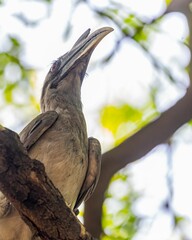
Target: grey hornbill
58	136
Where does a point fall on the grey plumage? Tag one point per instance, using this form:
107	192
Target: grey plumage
58	136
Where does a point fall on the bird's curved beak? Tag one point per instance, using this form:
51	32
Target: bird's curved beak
81	50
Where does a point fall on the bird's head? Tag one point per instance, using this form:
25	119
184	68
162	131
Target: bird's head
63	81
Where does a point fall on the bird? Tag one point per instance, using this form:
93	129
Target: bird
58	135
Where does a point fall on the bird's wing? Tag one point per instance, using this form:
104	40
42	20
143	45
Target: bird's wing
93	172
33	131
28	136
5	206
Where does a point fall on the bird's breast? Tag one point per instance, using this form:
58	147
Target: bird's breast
63	150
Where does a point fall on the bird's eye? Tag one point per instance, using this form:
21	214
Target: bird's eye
55	66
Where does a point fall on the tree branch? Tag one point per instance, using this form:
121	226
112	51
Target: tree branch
25	183
140	143
179	6
132	149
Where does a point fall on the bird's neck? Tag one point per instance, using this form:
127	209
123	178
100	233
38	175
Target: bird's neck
59	102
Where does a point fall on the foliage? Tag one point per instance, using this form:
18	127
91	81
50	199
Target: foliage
119	220
168	2
124	120
16	81
13	73
121	120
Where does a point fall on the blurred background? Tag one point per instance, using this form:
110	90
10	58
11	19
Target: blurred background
137	72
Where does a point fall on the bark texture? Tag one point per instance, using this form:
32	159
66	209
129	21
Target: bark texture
25	183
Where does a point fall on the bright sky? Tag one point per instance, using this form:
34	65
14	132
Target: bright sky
106	85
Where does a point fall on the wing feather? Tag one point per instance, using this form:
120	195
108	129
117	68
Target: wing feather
37	127
93	172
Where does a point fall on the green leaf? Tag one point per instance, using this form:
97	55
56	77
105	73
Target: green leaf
168	2
133	21
124	120
15	41
178	219
190	123
8	92
141	36
113	116
119	176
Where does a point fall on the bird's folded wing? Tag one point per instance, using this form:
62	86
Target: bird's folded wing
5	206
93	172
28	136
33	131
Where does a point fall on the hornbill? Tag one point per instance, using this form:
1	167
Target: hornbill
58	136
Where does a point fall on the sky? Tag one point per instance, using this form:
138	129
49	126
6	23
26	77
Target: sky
109	85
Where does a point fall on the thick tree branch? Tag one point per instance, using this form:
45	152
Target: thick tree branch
132	149
179	6
142	142
25	183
